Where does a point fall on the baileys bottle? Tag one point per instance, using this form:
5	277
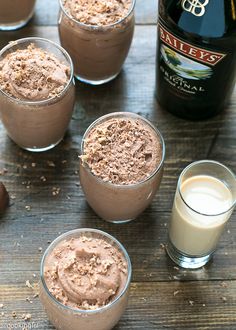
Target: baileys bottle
196	56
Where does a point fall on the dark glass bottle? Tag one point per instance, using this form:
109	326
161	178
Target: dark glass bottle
196	56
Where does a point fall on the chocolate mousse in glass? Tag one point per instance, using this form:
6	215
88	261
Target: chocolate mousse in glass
37	92
14	14
97	34
85	279
121	165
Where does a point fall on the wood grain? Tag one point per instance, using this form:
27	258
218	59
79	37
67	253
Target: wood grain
199	302
176	306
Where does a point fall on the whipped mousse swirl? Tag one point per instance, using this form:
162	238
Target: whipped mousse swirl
33	74
85	273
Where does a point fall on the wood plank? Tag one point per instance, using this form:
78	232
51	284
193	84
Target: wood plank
46	12
173	306
150	262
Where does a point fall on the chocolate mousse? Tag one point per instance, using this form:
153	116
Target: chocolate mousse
100	36
36	93
4	198
121	165
32	74
15	13
97	12
122	151
85	273
85	277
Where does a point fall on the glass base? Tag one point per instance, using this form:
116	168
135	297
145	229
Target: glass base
95	82
119	221
184	260
15	25
35	149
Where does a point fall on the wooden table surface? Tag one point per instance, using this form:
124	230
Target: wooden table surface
162	296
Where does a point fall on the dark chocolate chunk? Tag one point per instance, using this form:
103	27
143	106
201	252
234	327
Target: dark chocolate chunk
4	198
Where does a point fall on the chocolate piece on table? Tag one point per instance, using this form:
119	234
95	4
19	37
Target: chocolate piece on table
4	198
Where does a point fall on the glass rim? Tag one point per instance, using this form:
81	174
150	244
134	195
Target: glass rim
64	52
133	115
98	27
212	162
84	230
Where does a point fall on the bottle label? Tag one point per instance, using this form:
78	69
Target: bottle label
195	7
202	55
185	66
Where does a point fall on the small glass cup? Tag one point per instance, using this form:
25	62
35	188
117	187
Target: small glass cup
38	125
98	52
67	318
119	203
15	14
204	201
